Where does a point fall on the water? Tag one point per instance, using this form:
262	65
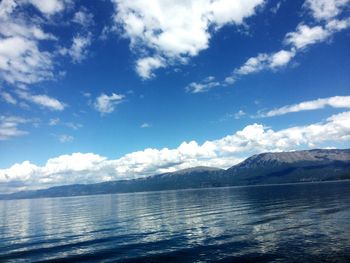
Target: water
286	223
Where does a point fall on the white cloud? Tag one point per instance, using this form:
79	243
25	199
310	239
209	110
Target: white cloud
305	36
63	138
335	102
239	114
48	7
83	17
145	66
9	127
42	100
73	125
224	152
25	56
106	104
176	31
281	58
22	60
54	121
273	61
145	125
78	50
8	97
265	61
325	9
207	84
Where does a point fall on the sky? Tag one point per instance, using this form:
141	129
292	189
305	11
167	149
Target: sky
94	91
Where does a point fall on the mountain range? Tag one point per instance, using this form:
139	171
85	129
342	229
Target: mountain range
266	168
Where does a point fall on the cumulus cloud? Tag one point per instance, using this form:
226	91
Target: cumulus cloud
302	37
42	100
305	36
146	66
224	152
48	7
265	61
325	9
28	49
106	104
175	31
335	102
22	60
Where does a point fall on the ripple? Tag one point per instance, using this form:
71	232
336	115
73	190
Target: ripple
289	223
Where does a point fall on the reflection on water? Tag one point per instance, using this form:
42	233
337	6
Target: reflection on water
289	223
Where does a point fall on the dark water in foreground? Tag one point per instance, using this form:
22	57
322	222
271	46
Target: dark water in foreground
287	223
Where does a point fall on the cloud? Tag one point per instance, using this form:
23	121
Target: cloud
150	31
239	114
325	9
28	52
48	7
296	41
8	98
335	102
78	50
265	61
9	127
204	86
42	100
73	125
301	38
145	66
305	36
83	17
224	152
22	59
63	138
145	125
54	122
106	104
273	61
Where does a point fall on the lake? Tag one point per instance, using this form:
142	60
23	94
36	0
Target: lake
279	223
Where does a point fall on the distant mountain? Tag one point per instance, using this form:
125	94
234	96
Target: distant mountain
265	168
291	167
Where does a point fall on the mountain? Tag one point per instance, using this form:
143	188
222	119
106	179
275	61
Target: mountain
265	168
291	167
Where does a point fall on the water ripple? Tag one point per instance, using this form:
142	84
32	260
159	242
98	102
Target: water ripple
289	223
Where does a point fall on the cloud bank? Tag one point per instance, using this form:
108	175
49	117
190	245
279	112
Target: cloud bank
224	152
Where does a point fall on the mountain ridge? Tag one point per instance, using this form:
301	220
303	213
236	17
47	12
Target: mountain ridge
265	168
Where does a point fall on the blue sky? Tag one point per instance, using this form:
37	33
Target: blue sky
106	90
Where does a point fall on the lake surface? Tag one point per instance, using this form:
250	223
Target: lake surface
285	223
